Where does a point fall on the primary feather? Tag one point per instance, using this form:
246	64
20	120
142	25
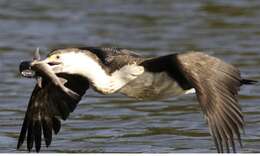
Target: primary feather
46	107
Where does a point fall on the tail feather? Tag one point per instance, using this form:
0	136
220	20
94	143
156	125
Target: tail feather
248	82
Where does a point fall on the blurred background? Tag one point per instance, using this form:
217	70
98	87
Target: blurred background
229	30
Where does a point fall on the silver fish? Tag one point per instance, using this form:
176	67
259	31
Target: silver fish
39	70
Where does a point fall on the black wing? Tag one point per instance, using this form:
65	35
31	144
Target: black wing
169	64
46	106
217	84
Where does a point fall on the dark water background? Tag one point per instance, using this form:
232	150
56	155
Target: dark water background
227	29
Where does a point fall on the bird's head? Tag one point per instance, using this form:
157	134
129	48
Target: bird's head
72	61
75	61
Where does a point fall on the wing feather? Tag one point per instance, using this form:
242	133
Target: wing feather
46	106
217	85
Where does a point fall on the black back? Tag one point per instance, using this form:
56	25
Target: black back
170	65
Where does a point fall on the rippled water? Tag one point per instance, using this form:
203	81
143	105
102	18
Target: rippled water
226	29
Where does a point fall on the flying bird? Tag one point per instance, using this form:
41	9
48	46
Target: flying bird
66	74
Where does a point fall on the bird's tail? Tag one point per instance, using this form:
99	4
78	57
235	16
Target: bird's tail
248	82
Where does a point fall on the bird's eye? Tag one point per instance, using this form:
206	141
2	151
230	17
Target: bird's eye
57	57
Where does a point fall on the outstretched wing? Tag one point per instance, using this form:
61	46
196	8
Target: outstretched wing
46	106
216	84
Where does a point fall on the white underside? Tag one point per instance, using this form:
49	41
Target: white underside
190	91
124	75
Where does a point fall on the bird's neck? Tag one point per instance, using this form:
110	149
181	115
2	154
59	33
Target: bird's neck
92	69
101	81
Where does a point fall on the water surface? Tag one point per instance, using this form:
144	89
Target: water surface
227	29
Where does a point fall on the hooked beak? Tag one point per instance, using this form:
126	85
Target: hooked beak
56	66
53	63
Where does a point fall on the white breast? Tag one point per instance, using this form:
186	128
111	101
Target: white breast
190	91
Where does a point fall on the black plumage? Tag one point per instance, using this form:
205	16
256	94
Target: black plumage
46	107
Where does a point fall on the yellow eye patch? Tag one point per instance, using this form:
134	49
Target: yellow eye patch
52	58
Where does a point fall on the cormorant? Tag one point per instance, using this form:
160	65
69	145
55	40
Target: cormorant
111	70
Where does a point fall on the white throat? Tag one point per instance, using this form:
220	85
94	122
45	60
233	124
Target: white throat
88	67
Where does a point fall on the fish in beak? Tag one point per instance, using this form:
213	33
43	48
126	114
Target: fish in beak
40	69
